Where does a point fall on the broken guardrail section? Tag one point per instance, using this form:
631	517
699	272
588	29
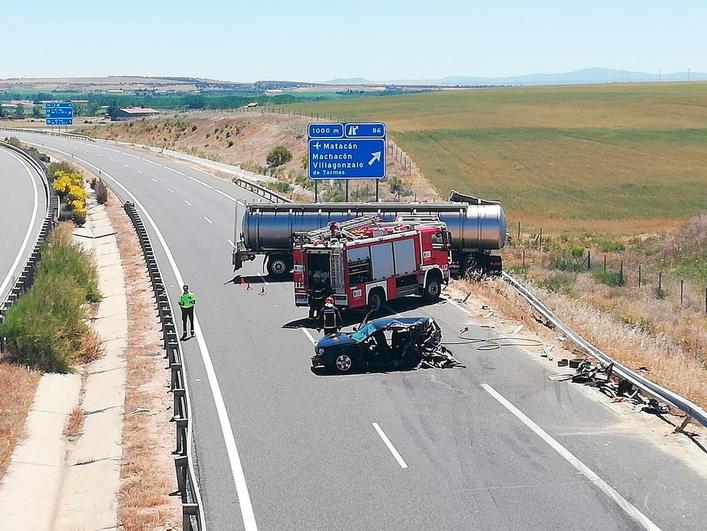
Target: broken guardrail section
691	410
192	508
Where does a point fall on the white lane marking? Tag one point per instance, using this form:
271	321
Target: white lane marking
113	150
309	336
263	279
636	515
187	202
130	155
225	195
231	448
25	241
151	161
153	179
139	171
396	454
208	220
112	159
170	190
232	244
172	169
197	181
98	155
125	165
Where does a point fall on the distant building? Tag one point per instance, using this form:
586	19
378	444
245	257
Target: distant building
133	113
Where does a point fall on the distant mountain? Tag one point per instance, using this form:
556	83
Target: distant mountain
349	81
575	77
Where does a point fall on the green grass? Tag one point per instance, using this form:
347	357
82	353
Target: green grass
617	158
47	327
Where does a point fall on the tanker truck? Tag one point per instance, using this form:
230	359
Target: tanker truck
477	228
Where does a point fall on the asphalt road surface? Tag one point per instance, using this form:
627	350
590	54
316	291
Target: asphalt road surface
495	445
24	207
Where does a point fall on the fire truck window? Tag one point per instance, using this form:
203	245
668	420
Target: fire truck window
359	271
438	240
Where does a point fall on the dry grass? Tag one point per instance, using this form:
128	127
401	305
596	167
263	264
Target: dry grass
147	471
18	385
75	423
668	364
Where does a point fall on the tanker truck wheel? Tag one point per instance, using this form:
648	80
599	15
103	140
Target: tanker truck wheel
278	265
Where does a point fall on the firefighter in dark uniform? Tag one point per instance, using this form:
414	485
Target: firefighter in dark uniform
331	317
317	293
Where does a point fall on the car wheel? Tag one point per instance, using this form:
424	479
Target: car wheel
375	301
278	265
433	288
343	363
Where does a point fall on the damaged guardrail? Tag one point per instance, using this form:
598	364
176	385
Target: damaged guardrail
691	410
261	191
192	508
25	279
52	133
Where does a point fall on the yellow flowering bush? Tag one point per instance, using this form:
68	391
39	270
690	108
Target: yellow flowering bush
77	193
68	183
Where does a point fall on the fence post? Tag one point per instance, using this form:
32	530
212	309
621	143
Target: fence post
682	288
523	253
706	300
621	272
660	283
519	231
604	262
541	239
639	275
589	259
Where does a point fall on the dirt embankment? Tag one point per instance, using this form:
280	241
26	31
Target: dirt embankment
244	138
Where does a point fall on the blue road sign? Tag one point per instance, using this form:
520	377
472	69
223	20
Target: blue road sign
364	130
58	113
346	158
325	130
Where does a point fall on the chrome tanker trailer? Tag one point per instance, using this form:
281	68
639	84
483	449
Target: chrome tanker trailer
478	227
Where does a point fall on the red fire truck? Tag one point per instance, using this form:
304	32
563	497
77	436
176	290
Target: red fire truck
364	262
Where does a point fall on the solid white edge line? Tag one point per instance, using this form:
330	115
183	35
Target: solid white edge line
151	161
173	170
32	220
396	454
225	194
207	219
196	181
636	515
309	336
221	411
232	244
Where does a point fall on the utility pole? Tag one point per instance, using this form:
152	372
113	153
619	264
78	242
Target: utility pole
660	75
688	74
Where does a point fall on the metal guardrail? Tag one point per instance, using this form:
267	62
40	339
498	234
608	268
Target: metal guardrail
23	282
52	133
187	486
261	191
691	410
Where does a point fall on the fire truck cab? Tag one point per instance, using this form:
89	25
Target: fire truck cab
364	262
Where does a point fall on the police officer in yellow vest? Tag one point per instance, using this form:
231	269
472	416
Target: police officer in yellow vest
187	300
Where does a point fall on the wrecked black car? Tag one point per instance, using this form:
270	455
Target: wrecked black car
382	344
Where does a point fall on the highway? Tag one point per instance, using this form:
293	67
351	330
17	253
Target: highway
24	207
495	445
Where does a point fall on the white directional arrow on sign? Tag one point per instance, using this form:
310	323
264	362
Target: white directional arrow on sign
376	156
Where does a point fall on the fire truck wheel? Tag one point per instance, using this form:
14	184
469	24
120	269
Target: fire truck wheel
433	288
376	299
278	265
343	363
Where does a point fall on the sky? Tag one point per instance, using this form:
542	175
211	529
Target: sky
317	40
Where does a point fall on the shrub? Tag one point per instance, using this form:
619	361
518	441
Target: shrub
610	246
46	327
559	282
278	156
101	192
278	186
609	278
569	259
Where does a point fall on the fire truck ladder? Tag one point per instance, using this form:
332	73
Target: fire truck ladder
345	228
